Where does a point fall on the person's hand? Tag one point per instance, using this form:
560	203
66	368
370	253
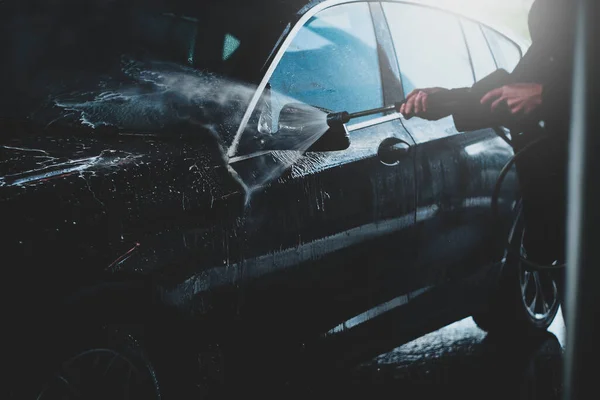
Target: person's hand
519	98
418	104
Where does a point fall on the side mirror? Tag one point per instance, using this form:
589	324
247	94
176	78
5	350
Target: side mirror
306	128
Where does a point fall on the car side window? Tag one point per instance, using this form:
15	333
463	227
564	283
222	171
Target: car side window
332	63
430	47
506	53
167	36
432	52
481	55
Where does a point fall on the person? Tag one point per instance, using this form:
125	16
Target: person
534	100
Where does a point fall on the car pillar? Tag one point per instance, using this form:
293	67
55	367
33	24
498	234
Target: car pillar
583	252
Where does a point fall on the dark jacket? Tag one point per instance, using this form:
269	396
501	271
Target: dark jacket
548	61
542	173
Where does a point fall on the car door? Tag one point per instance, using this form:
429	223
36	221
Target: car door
456	171
330	235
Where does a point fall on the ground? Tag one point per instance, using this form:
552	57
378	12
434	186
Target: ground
459	361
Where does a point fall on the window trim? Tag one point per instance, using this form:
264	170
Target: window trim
458	18
391	80
299	23
479	28
487	41
378	71
483	28
464	36
518	45
275	63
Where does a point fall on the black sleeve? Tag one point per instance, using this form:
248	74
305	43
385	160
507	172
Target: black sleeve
557	102
548	61
536	66
529	67
553	69
469	114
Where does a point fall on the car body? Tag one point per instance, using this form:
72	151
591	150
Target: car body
327	245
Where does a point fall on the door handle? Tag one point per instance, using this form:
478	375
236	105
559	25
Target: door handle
392	150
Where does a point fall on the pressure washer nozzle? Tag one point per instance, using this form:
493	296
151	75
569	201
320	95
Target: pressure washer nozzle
338	118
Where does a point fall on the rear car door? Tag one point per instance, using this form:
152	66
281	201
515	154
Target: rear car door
456	171
330	235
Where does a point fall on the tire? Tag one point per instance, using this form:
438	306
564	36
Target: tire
523	302
153	355
91	362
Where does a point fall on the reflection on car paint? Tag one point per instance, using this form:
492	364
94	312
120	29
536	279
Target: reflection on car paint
106	159
250	269
377	311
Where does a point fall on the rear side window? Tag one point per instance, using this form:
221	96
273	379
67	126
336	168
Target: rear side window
506	53
165	36
332	63
430	47
483	60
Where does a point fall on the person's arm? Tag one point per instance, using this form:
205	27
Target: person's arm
471	114
531	100
463	104
419	103
506	99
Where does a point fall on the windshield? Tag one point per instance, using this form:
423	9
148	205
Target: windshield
132	64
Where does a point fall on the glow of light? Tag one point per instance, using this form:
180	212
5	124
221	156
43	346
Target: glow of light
475	149
481	7
508	14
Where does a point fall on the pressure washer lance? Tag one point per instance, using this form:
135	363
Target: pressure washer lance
335	119
449	99
446	100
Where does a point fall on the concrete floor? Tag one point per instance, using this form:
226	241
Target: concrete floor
459	361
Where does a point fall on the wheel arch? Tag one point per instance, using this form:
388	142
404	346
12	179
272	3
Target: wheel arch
118	299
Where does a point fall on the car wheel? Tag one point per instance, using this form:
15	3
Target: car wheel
104	362
112	345
523	301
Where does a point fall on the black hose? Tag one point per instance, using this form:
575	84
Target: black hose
496	195
505	170
502	135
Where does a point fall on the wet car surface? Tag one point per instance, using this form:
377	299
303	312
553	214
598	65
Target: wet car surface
142	214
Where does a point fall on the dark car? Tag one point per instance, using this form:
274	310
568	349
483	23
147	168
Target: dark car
157	212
